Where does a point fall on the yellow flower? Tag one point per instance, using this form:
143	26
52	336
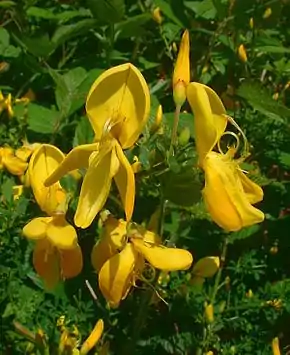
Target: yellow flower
11	162
119	258
57	255
228	193
242	53
181	74
117	106
93	338
275	346
44	160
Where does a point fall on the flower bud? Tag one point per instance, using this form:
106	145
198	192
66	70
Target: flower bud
267	13
184	136
156	14
251	23
275	346
209	313
181	74
242	53
157	125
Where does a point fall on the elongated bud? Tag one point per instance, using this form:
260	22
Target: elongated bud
249	294
93	338
156	14
184	136
267	13
251	23
157	125
209	313
209	353
242	53
206	267
275	346
181	74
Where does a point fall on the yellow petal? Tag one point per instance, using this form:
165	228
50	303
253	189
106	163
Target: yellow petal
119	101
252	190
224	196
46	263
113	239
71	262
206	267
61	234
36	228
77	158
125	181
115	277
181	74
209	117
24	152
14	165
96	186
93	338
43	162
166	259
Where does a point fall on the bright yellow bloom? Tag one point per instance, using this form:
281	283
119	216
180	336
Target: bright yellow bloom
275	346
44	160
119	258
118	107
181	74
228	193
242	53
93	338
12	163
57	255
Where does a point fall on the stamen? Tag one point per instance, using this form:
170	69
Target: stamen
234	147
245	152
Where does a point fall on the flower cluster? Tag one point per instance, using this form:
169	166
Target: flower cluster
117	106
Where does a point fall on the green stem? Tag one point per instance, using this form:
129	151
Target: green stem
219	273
174	130
145	301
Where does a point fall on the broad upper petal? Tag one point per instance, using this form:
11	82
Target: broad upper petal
120	99
36	228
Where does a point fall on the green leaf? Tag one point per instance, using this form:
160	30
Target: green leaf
5	4
39	12
272	49
39	46
183	188
185	120
42	119
284	159
107	11
133	26
204	9
84	133
72	88
261	100
67	32
7	190
7	50
244	233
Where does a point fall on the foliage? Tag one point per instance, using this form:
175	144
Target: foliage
51	52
